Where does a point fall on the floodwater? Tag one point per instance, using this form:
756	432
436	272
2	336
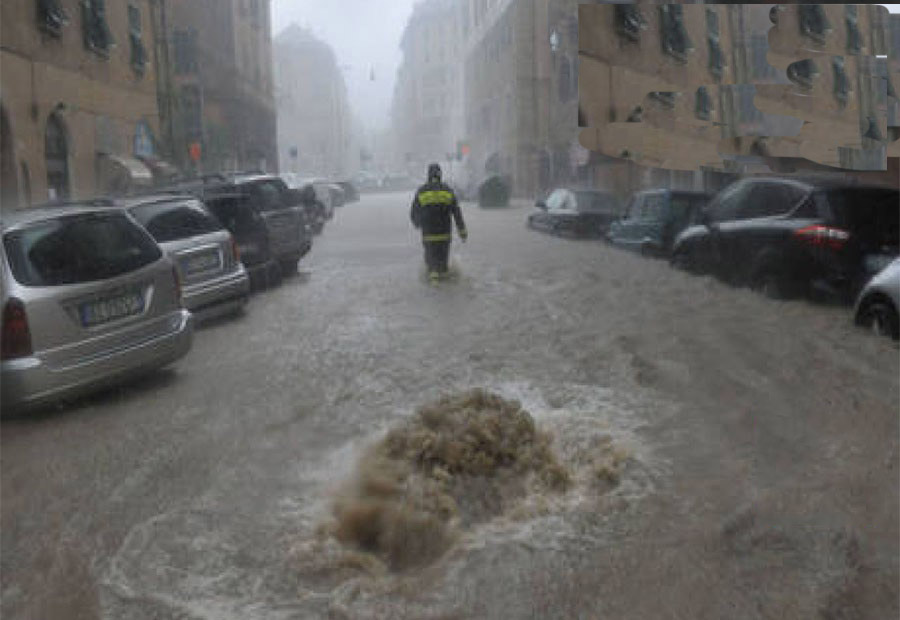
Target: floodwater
723	455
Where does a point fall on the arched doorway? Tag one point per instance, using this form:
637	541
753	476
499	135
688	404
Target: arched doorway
9	186
56	153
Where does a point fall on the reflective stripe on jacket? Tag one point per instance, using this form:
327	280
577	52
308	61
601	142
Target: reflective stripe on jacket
434	209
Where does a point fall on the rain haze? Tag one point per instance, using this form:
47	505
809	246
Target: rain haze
366	39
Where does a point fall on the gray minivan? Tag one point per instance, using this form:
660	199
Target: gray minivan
654	218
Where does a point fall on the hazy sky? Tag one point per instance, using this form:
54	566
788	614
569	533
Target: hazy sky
365	35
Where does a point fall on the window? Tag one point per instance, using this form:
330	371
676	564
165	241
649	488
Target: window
841	81
653	207
854	36
726	206
185	51
771	199
56	153
803	72
716	62
267	195
556	200
97	36
673	35
170	221
191	113
51	16
135	36
80	248
665	99
703	104
629	21
813	22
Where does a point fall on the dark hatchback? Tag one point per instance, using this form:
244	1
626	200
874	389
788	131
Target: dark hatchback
577	213
792	236
654	218
282	208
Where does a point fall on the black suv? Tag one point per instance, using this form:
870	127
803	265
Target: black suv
246	224
284	214
789	236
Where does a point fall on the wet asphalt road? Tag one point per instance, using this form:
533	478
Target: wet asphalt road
764	435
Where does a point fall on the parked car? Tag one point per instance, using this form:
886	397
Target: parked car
247	226
654	218
324	195
89	299
338	198
787	236
284	214
580	213
494	192
366	181
204	252
351	193
878	305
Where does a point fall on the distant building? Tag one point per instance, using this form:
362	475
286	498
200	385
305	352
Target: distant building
427	113
222	85
521	91
316	134
78	98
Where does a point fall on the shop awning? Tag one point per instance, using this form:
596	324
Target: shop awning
118	174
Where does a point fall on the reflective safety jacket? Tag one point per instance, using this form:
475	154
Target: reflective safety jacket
432	209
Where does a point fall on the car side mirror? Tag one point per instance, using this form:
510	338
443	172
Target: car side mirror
540	204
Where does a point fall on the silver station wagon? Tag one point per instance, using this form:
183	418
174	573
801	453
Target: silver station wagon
205	254
89	299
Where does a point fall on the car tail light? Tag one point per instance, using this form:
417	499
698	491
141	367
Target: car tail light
179	289
823	236
235	250
15	341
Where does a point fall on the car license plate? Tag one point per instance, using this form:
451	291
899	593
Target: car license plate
201	262
105	310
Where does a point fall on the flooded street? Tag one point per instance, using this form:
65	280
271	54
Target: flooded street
729	456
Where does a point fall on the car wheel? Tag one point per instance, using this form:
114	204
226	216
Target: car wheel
681	259
274	276
773	285
880	317
288	267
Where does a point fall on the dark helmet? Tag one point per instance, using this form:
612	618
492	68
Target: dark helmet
434	173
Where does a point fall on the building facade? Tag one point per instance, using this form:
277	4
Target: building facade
78	97
316	134
221	90
427	114
708	89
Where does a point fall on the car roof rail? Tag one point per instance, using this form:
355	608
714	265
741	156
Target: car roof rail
101	201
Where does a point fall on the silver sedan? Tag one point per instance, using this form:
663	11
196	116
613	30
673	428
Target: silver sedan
89	299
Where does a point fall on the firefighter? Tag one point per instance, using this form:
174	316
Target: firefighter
432	209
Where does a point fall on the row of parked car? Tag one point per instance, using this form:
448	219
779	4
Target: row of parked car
99	290
819	237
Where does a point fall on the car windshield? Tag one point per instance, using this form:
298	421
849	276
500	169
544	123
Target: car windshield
170	221
76	249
